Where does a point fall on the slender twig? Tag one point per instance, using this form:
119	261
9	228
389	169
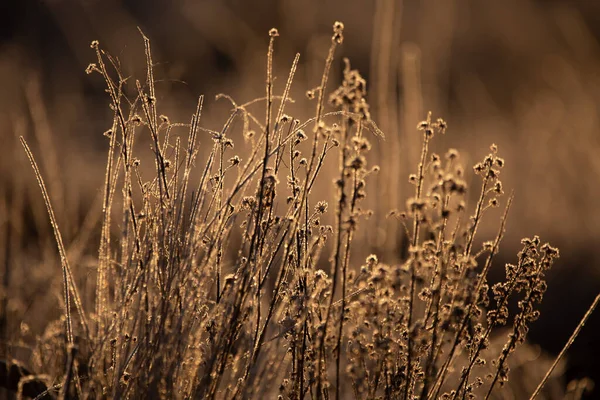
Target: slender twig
68	282
566	347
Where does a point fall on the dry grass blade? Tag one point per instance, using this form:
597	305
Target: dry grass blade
64	391
69	287
567	345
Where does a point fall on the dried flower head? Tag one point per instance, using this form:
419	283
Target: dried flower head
321	207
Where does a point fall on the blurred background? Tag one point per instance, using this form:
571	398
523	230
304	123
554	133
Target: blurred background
524	74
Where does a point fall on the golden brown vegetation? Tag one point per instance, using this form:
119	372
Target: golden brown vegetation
226	278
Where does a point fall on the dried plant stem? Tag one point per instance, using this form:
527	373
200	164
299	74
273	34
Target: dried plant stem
190	157
349	238
115	91
567	346
307	186
441	273
492	324
260	336
256	237
483	276
414	242
516	337
64	391
69	287
321	100
477	218
341	211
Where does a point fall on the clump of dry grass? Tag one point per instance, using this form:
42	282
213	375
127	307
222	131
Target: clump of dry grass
223	288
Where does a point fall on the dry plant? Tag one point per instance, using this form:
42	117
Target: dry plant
215	280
